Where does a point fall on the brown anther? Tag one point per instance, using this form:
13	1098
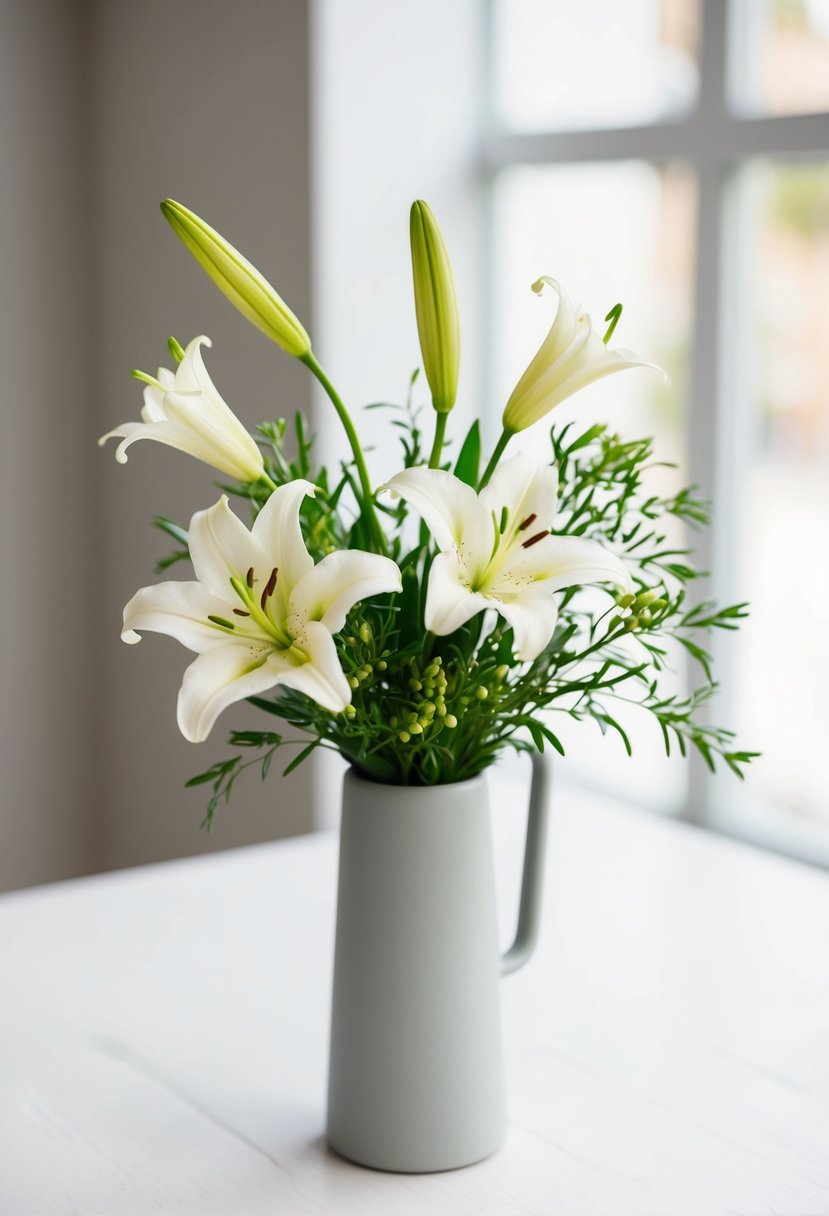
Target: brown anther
249	577
270	587
534	539
527	522
241	612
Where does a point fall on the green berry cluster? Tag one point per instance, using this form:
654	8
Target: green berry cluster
641	611
427	695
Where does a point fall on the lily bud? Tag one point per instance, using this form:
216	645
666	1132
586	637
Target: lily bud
571	356
436	307
240	281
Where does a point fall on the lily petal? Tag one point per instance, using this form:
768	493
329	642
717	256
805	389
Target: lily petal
171	434
449	508
221	546
528	490
562	561
217	679
331	588
321	678
450	602
180	610
277	531
533	619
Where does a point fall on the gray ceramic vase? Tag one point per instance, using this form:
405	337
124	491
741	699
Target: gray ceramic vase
416	1073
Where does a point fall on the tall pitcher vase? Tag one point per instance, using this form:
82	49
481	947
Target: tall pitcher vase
416	1079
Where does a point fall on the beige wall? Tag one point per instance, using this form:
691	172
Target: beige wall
106	108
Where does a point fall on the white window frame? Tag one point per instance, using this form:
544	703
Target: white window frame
714	140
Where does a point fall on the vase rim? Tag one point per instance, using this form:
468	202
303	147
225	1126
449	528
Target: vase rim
354	775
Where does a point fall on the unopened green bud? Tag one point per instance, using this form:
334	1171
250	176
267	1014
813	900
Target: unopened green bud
625	601
481	693
382	665
404	736
440	710
451	721
501	672
394	721
365	632
436	307
429	709
350	712
416	728
240	281
632	623
646	597
415	685
353	682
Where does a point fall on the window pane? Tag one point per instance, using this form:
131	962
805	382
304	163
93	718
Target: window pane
783	557
608	232
594	64
780	56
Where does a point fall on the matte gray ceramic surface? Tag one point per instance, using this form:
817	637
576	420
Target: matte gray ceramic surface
416	1074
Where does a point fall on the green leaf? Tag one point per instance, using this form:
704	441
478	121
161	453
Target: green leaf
303	755
469	457
172	529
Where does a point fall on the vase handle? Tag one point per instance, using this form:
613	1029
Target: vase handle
529	909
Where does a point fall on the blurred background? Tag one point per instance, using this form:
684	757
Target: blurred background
672	154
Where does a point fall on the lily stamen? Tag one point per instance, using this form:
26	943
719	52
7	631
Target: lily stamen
268	590
249	577
530	519
534	539
220	620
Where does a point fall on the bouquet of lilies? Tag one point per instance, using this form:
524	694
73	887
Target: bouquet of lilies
422	626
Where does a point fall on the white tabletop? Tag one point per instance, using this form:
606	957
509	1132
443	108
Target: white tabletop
163	1036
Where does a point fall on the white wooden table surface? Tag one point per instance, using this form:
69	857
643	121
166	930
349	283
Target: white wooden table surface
163	1036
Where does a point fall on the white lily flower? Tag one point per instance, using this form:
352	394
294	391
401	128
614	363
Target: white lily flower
496	550
185	410
260	613
571	356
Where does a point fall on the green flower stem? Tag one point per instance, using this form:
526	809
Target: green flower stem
440	432
310	361
506	435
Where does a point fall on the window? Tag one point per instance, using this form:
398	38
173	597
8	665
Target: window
674	154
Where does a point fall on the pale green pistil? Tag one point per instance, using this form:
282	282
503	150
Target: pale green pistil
504	546
257	622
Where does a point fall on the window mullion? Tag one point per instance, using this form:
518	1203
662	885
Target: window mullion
704	429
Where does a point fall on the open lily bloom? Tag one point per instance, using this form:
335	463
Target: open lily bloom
497	550
260	613
571	356
184	410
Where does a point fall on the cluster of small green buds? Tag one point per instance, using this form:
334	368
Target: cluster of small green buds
429	697
644	606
